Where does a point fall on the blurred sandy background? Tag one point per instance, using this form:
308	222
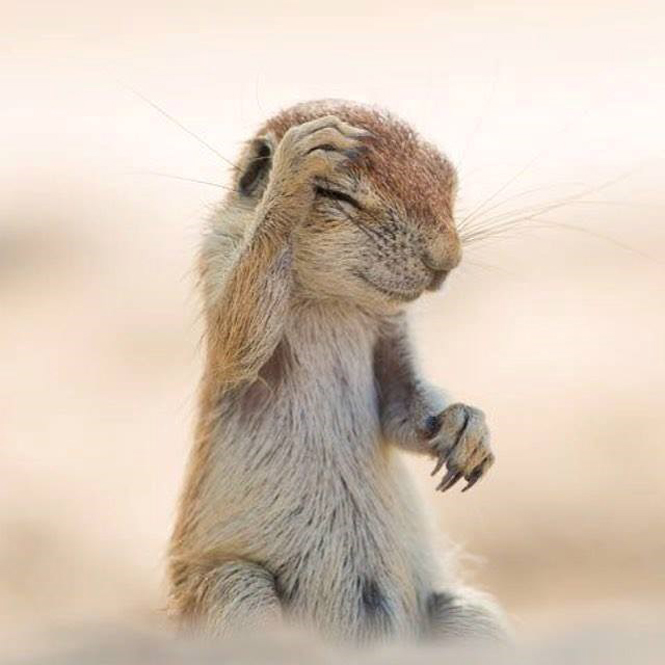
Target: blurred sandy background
557	333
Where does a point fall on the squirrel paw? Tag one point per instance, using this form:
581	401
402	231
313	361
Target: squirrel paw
459	438
316	149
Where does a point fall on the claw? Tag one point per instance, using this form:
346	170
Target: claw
449	480
473	479
439	464
354	153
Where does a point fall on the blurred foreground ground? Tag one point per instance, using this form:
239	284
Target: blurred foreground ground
133	647
558	335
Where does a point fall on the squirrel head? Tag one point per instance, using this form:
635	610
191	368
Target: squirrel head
381	230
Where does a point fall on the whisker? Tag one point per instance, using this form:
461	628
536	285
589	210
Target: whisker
546	223
618	204
542	153
184	179
503	221
484	226
256	95
489	267
500	220
481	118
179	124
471	217
489	223
515	231
528	225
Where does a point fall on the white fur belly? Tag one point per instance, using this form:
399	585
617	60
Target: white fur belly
303	484
354	572
330	515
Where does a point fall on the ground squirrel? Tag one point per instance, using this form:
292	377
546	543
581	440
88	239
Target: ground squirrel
296	504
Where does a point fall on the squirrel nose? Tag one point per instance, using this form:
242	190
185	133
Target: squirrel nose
444	253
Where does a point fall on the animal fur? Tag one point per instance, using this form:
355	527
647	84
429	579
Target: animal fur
296	505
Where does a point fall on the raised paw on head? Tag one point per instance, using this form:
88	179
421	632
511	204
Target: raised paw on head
318	147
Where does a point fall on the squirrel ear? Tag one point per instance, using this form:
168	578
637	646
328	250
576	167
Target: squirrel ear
256	166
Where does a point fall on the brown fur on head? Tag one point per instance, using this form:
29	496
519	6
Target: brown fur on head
381	230
400	164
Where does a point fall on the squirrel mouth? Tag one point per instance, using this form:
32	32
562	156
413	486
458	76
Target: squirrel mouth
402	296
438	278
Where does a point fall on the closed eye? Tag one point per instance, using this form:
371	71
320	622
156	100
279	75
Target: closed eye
336	195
